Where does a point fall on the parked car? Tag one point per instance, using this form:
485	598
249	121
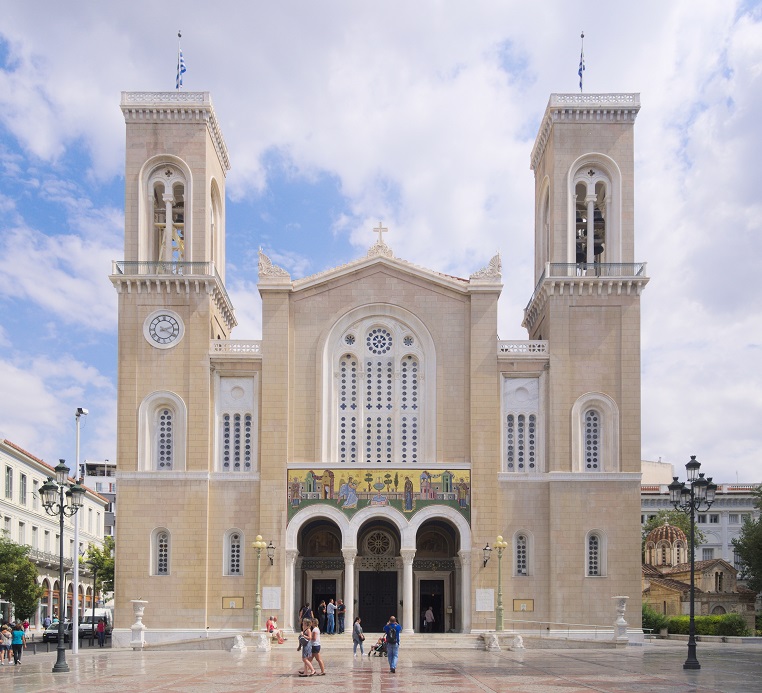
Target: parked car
50	634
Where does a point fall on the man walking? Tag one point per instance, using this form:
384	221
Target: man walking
392	630
428	619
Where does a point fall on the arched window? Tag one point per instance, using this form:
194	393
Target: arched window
595	434
679	553
236	403
162	432
233	552
520	554
160	551
595	211
167	213
382	388
595	556
521	398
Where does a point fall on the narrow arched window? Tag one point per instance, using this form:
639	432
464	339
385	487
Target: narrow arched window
593	555
164	438
521	554
234	554
521	407
592	424
160	549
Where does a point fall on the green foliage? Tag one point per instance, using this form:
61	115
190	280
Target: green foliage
677	519
102	559
653	620
748	546
18	579
727	624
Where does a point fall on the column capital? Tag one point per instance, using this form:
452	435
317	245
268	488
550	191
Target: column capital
291	556
349	555
465	557
407	556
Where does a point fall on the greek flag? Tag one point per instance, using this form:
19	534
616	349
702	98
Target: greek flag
579	72
180	69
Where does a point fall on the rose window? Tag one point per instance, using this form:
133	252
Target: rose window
379	341
378	543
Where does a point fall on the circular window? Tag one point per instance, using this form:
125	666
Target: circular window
379	341
349	339
408	341
379	543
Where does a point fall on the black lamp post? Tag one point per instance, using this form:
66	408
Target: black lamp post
94	568
697	494
52	494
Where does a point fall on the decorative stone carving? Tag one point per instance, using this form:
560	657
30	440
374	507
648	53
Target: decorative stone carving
491	271
491	643
518	643
264	642
380	248
268	269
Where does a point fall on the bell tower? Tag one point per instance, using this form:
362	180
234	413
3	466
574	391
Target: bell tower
586	304
172	304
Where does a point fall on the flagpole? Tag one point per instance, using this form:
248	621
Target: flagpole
581	60
178	79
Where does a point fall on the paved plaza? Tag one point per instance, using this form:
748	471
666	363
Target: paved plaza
654	667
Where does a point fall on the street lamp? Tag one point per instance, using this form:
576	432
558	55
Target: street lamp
75	584
698	494
258	544
52	494
500	546
487	551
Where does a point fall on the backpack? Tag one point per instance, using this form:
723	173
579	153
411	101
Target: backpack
391	636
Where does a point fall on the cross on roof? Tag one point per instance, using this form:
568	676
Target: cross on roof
379	230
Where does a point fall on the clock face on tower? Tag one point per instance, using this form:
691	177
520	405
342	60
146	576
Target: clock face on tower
163	329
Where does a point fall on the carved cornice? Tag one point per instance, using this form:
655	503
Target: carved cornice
579	286
179	106
180	285
601	108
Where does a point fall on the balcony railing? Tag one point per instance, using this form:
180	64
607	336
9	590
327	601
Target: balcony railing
235	346
523	347
587	271
46	558
151	268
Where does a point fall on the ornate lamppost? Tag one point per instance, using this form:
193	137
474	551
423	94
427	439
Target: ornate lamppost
500	546
697	494
258	544
52	494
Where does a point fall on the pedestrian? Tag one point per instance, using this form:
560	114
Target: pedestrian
392	630
331	615
341	612
428	619
316	646
101	631
5	644
305	643
357	637
46	622
321	614
307	612
18	641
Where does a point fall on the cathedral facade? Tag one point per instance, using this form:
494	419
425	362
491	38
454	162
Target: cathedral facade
379	437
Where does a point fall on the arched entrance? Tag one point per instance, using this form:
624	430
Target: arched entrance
375	568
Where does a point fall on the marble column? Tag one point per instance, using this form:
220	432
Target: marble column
408	622
465	590
349	587
290	608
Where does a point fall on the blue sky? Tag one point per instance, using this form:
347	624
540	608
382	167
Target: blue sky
423	115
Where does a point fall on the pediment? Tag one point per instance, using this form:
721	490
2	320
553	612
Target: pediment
381	255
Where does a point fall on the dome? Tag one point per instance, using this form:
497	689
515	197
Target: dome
666	532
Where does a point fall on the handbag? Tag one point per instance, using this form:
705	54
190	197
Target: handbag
362	637
302	642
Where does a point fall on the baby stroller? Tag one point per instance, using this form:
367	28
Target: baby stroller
379	649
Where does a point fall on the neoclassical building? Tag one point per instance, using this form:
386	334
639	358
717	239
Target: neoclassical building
379	435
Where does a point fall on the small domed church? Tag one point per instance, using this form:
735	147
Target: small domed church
667	579
379	436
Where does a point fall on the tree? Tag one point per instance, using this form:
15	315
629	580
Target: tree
748	547
388	481
102	559
369	480
18	579
676	518
396	481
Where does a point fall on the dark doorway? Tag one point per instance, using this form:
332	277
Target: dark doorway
322	591
432	595
378	599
